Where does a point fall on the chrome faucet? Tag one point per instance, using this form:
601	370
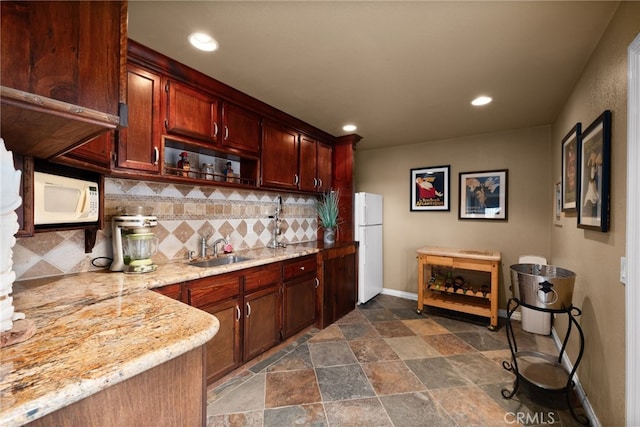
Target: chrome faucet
274	243
215	245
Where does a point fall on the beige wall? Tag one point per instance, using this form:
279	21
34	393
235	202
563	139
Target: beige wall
595	256
533	157
525	153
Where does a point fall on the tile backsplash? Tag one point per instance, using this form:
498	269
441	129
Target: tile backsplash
185	213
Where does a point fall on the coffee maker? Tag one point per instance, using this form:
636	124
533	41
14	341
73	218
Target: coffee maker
133	240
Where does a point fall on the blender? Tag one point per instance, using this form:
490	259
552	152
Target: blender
133	240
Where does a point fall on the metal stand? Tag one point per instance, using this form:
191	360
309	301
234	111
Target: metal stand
543	371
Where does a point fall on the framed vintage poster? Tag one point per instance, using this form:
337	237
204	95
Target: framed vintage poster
483	195
570	168
594	173
430	189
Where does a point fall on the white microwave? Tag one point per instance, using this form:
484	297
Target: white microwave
63	200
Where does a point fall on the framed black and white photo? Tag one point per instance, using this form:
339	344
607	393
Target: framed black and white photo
483	195
430	189
570	168
594	171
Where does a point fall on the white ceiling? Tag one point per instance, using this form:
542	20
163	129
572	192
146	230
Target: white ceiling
403	72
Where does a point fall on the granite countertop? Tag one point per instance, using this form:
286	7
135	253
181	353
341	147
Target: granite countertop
96	329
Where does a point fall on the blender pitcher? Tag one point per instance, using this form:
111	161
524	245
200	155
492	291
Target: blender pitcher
138	249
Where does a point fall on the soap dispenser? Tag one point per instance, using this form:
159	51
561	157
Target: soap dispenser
227	247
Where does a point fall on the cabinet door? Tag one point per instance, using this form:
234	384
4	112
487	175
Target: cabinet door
279	157
191	113
220	296
339	282
139	143
345	281
308	164
172	291
324	167
241	128
223	350
95	152
299	301
261	321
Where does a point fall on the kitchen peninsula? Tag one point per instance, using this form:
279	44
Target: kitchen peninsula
107	346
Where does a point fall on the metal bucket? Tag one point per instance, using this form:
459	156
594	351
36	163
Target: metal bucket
543	286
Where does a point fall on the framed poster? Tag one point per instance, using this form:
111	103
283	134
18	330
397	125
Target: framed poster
483	195
594	160
570	168
430	189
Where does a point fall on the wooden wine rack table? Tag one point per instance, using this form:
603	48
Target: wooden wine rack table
477	298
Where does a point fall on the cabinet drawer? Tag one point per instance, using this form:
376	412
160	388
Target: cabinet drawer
440	260
259	277
213	289
299	267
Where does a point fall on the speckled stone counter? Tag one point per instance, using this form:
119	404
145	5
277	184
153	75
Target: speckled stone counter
97	329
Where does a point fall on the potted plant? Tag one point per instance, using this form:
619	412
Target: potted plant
328	211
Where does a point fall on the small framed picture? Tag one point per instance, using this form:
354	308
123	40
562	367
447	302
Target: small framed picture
594	172
430	189
557	211
570	168
483	195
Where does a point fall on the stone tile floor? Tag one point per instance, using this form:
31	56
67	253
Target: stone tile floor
385	365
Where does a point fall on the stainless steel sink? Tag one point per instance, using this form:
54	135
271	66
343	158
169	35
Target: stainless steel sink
223	260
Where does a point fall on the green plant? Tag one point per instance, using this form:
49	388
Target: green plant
328	209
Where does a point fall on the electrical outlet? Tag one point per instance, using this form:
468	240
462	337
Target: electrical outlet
623	270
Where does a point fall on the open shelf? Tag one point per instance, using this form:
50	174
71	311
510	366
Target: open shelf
207	163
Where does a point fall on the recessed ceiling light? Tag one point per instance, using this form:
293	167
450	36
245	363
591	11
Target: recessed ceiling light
349	128
481	100
203	41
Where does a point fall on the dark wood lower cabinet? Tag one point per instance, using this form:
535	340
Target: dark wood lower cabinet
299	294
261	321
259	307
338	275
223	351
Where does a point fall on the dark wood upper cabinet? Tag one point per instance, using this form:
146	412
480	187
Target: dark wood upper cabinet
60	73
241	128
315	165
279	157
138	145
308	163
190	112
324	167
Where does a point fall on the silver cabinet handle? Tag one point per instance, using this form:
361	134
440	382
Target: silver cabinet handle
296	179
317	283
226	132
156	155
315	182
215	129
248	309
237	313
319	182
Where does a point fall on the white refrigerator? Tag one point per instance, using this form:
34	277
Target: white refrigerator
368	231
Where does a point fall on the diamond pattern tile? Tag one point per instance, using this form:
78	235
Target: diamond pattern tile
184	212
